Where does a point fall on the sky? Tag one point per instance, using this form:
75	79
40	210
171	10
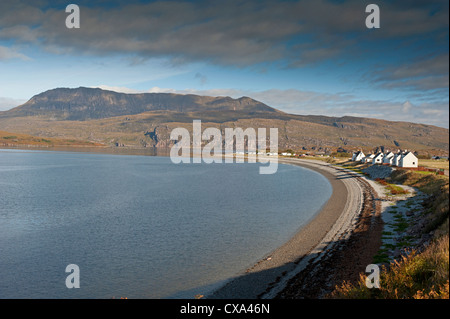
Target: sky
312	57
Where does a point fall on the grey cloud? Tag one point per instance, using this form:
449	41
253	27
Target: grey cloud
426	73
232	32
13	13
202	78
182	31
415	20
429	83
437	65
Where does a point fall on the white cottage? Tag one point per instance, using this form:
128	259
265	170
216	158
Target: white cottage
378	159
368	158
396	159
358	156
389	158
408	160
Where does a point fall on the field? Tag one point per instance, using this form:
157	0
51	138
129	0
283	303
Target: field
439	164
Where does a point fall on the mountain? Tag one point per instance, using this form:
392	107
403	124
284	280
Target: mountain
83	104
146	120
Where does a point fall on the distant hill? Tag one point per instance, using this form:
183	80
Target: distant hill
83	104
146	120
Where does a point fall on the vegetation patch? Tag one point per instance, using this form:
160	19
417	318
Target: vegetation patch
422	271
392	188
25	140
417	275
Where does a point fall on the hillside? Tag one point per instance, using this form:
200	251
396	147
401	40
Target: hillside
146	120
83	104
15	140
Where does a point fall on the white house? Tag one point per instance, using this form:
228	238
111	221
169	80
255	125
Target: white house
358	156
368	158
396	159
378	159
388	158
408	160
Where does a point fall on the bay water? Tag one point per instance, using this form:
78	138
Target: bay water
140	226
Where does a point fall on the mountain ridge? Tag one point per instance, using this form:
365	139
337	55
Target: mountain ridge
145	120
94	103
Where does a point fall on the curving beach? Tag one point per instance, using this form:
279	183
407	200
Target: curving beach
327	233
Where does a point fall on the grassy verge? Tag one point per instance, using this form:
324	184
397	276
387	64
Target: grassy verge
392	188
417	275
327	159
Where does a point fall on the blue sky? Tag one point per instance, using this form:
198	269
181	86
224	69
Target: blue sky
302	57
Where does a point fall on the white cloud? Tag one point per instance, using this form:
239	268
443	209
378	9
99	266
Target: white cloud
121	89
116	89
406	106
7	53
7	103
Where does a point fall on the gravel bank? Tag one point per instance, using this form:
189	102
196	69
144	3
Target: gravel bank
378	171
333	225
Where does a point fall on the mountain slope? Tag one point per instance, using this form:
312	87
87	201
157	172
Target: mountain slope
93	103
146	120
14	140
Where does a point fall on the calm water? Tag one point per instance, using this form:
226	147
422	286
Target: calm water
140	226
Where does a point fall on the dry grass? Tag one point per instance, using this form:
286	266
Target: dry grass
427	183
416	276
14	139
422	273
393	189
439	164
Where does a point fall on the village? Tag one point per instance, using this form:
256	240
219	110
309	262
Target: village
400	158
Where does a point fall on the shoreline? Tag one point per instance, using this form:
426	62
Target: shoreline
334	223
331	226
